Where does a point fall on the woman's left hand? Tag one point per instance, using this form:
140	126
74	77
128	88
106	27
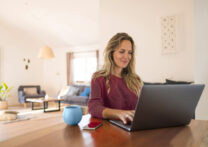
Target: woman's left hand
124	115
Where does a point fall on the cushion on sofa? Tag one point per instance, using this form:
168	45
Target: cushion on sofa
63	91
168	81
30	91
73	91
81	88
86	92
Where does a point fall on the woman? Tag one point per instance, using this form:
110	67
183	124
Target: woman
115	88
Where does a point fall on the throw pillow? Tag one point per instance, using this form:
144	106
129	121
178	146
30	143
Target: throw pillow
30	91
73	91
63	91
177	82
86	92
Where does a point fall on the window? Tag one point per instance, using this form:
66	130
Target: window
81	66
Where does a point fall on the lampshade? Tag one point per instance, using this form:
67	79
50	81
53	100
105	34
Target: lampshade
46	53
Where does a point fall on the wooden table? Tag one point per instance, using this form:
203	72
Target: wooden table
61	135
45	103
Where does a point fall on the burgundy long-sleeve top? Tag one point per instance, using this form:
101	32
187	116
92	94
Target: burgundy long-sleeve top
119	97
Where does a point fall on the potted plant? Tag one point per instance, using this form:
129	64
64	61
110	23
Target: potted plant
4	94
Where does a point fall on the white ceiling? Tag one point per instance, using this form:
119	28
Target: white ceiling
58	23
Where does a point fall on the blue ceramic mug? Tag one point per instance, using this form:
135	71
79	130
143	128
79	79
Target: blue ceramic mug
72	115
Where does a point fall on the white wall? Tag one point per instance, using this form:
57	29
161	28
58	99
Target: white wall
141	19
201	53
55	70
16	44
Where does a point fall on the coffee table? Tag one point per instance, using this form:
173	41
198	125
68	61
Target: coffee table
45	103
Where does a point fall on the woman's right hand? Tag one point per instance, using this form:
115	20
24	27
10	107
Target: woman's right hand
124	115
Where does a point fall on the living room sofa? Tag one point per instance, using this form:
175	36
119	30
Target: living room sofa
75	94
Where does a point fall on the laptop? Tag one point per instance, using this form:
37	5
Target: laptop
161	106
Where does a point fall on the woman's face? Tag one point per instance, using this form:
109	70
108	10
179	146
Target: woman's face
123	54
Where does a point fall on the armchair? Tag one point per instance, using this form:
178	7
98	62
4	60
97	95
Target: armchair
29	91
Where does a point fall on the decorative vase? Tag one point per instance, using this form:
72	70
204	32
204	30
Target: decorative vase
72	115
3	105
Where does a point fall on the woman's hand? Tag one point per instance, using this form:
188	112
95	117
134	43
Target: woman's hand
123	115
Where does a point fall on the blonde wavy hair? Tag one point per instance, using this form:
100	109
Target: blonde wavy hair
132	80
